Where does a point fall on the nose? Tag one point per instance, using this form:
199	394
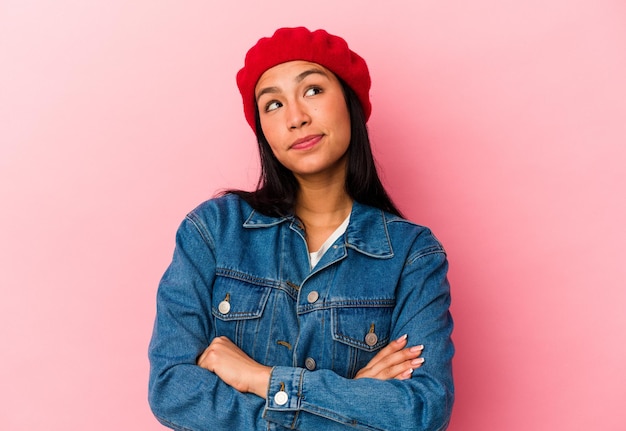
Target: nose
297	115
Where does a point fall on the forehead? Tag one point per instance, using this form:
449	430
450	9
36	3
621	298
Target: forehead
288	72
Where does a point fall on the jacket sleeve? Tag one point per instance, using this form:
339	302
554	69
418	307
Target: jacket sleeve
314	400
182	395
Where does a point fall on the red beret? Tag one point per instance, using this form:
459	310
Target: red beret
288	44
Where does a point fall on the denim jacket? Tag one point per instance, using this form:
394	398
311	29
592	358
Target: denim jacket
247	276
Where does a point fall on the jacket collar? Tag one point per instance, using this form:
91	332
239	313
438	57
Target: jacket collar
366	232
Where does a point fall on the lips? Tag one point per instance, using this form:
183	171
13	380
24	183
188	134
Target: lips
306	142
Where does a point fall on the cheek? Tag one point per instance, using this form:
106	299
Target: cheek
269	131
339	110
274	142
343	125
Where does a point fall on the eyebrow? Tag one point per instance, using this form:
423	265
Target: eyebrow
298	79
308	72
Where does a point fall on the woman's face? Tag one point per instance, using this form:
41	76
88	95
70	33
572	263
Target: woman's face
304	118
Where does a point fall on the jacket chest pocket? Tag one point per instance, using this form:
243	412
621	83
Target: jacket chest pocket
238	308
358	334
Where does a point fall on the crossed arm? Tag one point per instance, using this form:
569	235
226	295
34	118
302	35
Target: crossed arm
185	397
238	370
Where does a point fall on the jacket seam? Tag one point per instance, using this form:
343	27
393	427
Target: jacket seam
423	253
172	425
242	276
204	233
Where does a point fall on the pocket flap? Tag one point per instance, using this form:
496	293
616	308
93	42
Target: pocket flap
351	325
235	299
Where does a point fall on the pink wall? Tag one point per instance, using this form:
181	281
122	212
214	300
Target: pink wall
502	125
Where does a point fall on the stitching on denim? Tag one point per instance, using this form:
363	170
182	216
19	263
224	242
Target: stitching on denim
358	344
355	342
251	221
331	415
387	234
353	360
435	249
377	256
299	399
270	314
257	281
243	315
367	303
395	219
239	332
171	424
329	305
242	276
202	230
255	308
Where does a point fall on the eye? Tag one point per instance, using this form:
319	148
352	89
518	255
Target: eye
312	91
270	106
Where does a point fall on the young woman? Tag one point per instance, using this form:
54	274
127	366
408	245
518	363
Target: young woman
310	303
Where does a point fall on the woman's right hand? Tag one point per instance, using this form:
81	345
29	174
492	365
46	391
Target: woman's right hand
235	367
395	361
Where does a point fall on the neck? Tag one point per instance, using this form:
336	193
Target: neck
323	203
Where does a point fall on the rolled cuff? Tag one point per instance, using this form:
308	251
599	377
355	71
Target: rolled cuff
284	396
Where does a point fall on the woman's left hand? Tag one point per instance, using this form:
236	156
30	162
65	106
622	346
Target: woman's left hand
235	368
395	361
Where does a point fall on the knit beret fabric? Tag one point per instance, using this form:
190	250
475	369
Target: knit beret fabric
288	44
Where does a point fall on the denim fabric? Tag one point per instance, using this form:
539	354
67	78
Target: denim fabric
247	276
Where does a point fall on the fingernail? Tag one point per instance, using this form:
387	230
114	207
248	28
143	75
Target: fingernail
402	338
417	348
417	361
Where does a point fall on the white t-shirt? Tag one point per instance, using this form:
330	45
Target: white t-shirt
317	255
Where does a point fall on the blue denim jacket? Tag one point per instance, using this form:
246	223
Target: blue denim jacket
241	274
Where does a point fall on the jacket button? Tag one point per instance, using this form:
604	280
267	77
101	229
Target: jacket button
312	296
281	398
371	339
224	307
309	363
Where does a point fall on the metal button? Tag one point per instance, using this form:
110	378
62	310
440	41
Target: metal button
310	364
312	296
281	398
371	339
224	307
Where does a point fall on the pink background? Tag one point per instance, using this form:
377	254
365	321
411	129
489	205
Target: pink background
502	125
